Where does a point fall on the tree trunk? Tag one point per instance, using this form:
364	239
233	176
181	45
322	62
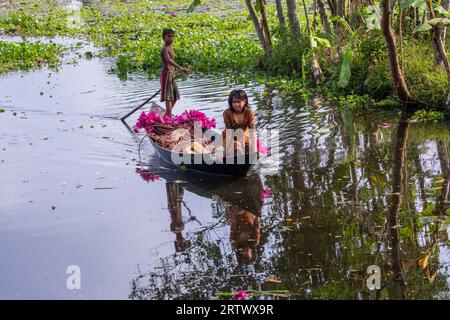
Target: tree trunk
259	30
340	10
280	14
323	16
332	4
293	19
440	46
446	6
399	80
316	75
442	30
337	10
355	17
265	24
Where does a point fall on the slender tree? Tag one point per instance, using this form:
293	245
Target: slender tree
316	74
264	23
323	16
438	42
280	14
399	80
293	19
261	26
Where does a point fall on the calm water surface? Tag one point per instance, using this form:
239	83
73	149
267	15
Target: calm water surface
351	191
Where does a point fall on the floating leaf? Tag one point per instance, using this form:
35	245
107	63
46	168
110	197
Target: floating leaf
423	262
273	280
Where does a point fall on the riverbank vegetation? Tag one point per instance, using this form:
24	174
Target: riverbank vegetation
390	53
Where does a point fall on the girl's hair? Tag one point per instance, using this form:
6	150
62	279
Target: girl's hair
240	95
166	32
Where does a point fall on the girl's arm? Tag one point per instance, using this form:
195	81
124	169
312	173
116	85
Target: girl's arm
251	120
227	120
253	139
228	143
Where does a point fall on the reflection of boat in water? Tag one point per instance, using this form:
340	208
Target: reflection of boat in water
242	192
240	198
238	165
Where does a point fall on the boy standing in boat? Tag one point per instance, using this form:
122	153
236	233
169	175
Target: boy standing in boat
169	89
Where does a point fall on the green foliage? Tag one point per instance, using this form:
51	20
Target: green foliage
427	115
286	58
414	4
27	55
427	83
219	39
344	76
354	102
35	23
370	73
368	67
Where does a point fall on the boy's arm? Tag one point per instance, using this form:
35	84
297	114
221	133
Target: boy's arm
170	60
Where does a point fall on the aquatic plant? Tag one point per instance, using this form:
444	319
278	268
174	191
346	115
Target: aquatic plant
28	55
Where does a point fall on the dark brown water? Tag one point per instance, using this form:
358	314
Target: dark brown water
351	191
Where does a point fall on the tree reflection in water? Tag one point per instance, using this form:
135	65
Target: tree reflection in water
352	191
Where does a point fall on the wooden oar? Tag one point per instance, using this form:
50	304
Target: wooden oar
144	103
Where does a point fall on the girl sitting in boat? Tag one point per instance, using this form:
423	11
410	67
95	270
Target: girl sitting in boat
239	135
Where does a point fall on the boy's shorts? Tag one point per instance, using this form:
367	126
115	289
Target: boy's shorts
169	88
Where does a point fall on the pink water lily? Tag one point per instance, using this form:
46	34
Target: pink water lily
148	120
147	175
190	116
240	295
261	148
265	193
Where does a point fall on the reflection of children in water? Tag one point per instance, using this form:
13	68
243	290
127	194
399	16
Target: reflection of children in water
174	202
245	232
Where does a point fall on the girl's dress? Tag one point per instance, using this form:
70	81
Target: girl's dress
248	122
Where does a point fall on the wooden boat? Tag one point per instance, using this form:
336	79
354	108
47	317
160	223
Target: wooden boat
238	165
